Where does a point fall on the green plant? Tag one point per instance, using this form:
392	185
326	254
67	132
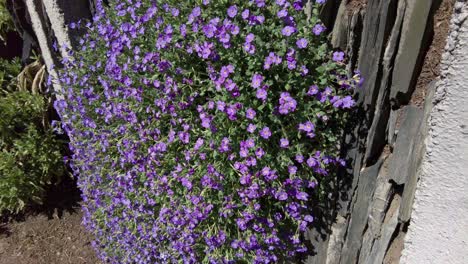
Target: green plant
30	152
6	24
9	70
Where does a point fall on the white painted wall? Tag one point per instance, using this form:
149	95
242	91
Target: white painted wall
438	232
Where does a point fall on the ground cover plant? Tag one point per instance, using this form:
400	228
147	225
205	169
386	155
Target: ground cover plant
201	130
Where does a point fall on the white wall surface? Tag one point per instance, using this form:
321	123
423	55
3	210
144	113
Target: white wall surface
438	232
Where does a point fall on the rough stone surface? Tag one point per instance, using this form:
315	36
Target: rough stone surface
360	212
386	144
413	165
411	46
438	232
401	167
376	30
378	130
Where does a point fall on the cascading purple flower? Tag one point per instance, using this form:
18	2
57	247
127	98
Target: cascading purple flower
188	114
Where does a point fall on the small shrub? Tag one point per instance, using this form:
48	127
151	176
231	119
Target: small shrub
201	130
9	70
30	153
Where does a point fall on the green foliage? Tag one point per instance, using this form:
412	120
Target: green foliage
30	153
6	24
9	70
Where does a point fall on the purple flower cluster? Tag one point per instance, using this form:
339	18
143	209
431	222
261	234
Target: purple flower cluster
287	104
193	139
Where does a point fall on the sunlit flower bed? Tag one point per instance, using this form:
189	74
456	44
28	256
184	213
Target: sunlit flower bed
202	131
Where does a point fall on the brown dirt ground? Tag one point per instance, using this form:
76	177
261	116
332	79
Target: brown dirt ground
41	240
431	67
50	233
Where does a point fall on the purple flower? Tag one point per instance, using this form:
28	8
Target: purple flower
243	152
308	218
280	2
271	59
338	56
257	80
249	48
299	158
209	30
348	102
292	169
251	128
304	70
307	127
250	143
198	144
196	12
175	12
265	133
321	1
282	13
261	94
246	14
250	113
249	38
298	5
302	43
231	111
313	90
232	11
284	143
260	19
224	146
302	196
288	31
241	224
245	179
312	162
184	137
318	29
260	3
287	103
220	105
259	152
282	196
226	71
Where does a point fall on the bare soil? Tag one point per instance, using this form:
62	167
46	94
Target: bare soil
48	234
40	240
